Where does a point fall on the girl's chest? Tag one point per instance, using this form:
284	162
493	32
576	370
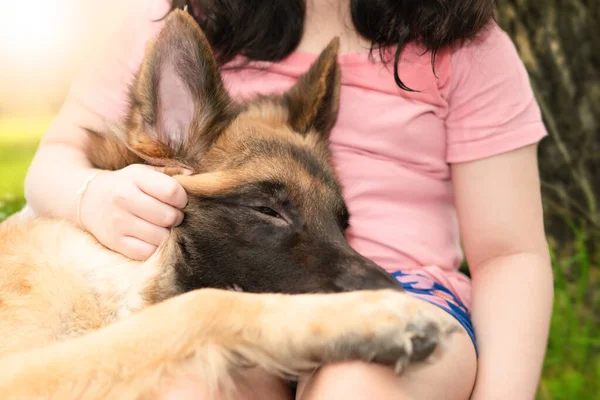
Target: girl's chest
376	119
396	129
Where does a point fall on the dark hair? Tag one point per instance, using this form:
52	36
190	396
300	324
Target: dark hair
269	30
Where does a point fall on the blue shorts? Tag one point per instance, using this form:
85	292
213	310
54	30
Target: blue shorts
427	289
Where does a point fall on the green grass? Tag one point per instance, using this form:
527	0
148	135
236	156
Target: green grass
572	365
19	137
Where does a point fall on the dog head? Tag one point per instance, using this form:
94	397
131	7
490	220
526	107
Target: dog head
265	210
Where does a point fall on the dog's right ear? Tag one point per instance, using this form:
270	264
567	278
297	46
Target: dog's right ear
180	105
313	101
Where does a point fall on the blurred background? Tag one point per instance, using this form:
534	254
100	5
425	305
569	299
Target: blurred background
44	42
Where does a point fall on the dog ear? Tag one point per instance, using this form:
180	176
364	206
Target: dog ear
313	101
180	105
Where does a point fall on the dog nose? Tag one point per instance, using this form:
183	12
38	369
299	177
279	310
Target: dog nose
366	275
377	278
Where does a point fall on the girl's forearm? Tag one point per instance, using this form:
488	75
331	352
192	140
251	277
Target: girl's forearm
60	166
54	178
512	306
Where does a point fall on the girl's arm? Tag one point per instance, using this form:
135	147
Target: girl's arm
60	166
500	213
130	210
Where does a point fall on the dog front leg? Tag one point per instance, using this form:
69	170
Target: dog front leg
212	334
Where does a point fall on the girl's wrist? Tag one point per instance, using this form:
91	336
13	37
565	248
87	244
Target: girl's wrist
81	195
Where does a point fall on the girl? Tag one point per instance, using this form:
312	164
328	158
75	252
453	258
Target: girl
435	146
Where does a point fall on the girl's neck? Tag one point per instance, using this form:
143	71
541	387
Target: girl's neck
326	19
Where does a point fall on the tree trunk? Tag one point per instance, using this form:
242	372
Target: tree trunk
559	42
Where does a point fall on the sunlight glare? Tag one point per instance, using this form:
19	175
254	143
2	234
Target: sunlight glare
32	28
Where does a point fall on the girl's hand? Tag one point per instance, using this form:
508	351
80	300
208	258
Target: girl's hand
131	210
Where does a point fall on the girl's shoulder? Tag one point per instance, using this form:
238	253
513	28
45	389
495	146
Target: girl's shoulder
491	104
491	53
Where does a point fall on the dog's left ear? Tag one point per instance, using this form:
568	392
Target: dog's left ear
313	101
180	105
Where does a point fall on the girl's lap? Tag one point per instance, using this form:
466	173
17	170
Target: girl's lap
450	375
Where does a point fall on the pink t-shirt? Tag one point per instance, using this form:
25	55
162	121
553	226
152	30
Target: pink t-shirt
391	148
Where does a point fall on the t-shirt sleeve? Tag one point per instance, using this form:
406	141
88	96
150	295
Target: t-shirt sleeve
491	105
103	83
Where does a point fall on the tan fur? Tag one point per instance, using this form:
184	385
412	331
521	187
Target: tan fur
52	346
78	321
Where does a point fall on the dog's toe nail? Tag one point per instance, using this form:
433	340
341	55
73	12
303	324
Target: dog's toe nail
425	339
399	366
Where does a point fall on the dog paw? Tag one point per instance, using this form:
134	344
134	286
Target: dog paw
385	327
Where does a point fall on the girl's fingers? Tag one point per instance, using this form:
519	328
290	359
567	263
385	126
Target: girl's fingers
147	232
154	211
135	248
163	188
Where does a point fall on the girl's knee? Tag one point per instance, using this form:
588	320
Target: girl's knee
451	376
356	380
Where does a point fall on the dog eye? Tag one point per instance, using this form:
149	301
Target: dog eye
267	211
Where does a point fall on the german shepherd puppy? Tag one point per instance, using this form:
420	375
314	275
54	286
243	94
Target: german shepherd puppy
265	217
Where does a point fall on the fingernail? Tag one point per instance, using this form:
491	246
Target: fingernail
180	220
